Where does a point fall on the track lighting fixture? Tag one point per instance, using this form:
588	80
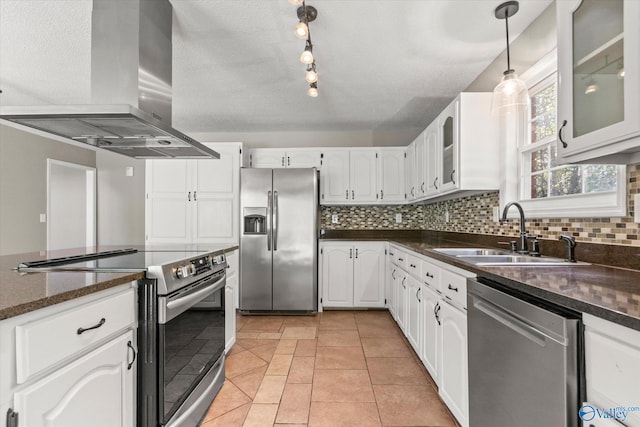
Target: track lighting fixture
313	90
307	55
511	93
307	14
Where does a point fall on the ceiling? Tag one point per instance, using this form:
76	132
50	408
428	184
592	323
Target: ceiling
383	65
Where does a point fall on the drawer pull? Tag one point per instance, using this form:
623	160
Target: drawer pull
452	288
400	259
412	266
429	275
130	364
96	326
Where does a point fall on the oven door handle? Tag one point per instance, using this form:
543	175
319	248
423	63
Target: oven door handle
171	307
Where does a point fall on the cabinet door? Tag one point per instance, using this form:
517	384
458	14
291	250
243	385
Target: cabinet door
410	172
454	380
421	165
391	174
414	314
267	158
216	196
96	389
430	333
448	128
334	177
391	287
433	159
230	291
169	199
337	275
303	158
363	185
368	275
599	73
401	302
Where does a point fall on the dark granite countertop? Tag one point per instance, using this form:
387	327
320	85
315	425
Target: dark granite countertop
21	293
607	292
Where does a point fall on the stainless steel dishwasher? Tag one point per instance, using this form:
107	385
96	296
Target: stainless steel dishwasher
524	360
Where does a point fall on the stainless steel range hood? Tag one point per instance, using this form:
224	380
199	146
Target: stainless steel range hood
131	73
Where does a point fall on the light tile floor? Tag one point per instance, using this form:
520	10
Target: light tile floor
338	368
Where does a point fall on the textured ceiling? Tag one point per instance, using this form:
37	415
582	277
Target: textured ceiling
382	64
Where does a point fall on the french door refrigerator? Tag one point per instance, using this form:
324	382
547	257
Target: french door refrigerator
278	240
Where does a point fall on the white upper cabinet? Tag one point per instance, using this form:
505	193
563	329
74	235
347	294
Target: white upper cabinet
391	174
449	144
410	172
281	158
433	163
598	81
194	201
421	165
334	176
363	175
351	176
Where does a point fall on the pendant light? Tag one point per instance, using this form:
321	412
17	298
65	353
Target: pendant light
313	90
511	94
311	76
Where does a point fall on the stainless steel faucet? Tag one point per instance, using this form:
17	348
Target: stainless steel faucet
523	232
571	244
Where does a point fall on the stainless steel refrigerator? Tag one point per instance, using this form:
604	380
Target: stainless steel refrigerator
278	240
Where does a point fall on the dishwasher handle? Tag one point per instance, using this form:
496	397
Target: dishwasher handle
510	321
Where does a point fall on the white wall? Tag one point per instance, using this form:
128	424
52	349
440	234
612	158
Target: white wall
120	199
23	186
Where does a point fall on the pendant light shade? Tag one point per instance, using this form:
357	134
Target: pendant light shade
301	30
313	90
511	94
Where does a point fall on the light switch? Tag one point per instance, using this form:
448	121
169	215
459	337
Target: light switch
398	218
446	216
636	208
496	214
129	171
334	219
43	217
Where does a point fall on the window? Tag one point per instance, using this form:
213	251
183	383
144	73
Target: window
548	189
544	177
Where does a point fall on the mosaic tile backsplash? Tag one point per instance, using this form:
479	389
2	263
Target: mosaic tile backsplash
473	214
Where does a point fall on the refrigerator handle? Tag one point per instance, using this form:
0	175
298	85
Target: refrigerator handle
275	221
269	221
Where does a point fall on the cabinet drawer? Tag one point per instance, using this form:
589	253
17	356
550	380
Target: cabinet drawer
454	288
45	342
413	266
430	275
401	259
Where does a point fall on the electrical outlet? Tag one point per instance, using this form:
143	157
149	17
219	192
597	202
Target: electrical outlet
636	207
334	219
496	214
43	217
398	218
446	215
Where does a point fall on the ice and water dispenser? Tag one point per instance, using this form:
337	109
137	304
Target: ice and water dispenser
255	220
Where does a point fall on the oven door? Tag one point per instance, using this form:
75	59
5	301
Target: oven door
190	352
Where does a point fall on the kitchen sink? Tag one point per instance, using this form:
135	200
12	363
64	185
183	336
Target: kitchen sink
457	252
481	256
516	260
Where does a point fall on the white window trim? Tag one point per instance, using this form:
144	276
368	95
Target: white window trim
602	204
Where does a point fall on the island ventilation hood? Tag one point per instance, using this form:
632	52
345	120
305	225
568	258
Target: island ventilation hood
131	72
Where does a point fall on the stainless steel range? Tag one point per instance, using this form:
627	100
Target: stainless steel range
180	344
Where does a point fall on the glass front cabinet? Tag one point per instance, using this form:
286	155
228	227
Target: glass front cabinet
598	80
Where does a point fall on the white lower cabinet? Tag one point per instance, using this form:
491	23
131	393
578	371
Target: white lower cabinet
413	327
454	380
401	301
96	389
353	274
430	353
72	378
231	300
612	368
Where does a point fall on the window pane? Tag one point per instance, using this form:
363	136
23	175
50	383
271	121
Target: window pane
539	186
540	160
600	178
543	114
566	181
